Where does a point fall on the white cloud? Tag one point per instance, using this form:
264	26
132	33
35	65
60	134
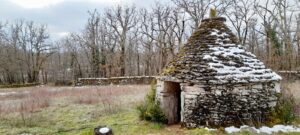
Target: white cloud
106	1
59	35
36	3
109	2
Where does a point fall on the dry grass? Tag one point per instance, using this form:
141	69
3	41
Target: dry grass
292	88
35	98
23	107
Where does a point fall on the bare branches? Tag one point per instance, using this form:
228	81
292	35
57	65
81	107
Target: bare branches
126	40
240	13
197	9
122	20
27	49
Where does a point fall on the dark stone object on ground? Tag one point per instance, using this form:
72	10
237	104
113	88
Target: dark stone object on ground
103	130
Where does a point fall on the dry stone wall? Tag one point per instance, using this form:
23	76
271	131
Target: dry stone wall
116	80
222	84
231	104
290	75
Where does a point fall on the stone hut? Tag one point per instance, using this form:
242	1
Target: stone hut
213	81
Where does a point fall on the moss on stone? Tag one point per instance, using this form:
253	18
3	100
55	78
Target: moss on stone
213	13
168	70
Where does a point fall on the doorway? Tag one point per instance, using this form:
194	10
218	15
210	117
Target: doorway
173	102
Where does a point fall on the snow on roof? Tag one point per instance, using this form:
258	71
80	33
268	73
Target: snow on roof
212	55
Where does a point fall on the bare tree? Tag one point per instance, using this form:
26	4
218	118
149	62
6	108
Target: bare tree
240	13
91	41
277	22
197	9
122	20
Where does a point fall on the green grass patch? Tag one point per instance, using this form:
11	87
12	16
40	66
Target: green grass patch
81	120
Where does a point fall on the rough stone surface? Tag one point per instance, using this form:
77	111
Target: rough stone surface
231	104
290	75
213	56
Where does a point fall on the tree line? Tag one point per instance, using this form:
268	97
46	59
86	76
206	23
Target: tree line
129	41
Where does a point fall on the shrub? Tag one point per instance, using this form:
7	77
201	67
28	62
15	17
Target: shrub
150	110
283	112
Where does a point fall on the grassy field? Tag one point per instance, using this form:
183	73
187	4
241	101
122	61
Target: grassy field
77	110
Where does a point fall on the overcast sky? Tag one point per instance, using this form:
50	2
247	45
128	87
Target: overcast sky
61	16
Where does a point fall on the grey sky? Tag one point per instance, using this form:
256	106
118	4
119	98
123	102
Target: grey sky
61	16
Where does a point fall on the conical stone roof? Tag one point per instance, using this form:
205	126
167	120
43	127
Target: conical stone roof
213	56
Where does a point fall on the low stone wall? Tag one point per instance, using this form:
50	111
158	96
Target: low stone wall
289	75
116	80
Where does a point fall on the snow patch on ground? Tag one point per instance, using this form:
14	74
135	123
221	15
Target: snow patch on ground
232	129
13	93
7	93
264	129
210	129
